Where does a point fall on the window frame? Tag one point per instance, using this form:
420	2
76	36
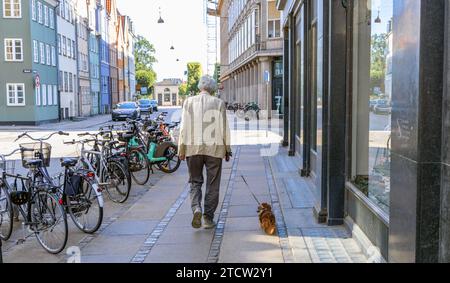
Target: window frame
16	97
35	51
13	49
11	7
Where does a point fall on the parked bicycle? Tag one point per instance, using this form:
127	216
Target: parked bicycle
110	173
36	199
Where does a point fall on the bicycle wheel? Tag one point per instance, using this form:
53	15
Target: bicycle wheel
139	166
6	215
50	222
85	208
173	161
118	180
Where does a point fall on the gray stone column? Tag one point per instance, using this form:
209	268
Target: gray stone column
417	136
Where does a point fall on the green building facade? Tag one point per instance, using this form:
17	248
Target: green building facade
28	66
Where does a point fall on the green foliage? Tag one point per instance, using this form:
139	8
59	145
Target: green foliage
144	54
217	72
145	78
194	75
378	61
183	90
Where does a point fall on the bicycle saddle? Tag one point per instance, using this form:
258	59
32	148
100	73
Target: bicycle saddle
68	162
33	163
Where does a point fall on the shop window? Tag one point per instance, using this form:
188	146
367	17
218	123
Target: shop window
372	99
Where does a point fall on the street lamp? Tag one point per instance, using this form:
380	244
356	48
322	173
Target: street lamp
160	21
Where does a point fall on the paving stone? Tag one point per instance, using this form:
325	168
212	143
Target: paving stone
248	247
114	246
242	211
179	253
242	224
130	227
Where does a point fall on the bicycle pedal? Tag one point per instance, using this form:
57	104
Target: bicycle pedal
20	242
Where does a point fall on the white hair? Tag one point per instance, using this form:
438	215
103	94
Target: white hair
207	84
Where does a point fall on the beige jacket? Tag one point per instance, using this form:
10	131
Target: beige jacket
204	127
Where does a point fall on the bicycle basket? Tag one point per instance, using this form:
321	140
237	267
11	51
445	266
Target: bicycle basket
20	197
33	151
9	167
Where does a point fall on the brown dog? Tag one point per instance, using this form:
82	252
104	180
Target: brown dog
267	219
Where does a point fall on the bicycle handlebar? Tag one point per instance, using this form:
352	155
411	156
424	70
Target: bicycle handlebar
61	133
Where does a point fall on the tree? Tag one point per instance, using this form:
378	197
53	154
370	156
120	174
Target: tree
378	61
217	72
144	54
183	90
146	78
194	75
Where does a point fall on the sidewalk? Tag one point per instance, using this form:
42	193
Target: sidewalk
156	225
66	125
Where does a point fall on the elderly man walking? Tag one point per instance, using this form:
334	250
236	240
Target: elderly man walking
204	143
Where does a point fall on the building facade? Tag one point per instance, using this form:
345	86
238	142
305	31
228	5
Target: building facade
166	92
131	70
94	56
67	59
111	8
84	80
365	98
29	80
121	57
105	79
251	53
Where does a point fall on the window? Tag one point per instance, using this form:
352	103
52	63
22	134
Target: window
64	45
74	48
70	82
39	5
59	44
53	56
66	82
50	94
15	94
41	47
13	50
48	54
372	100
51	16
35	51
274	29
37	93
45	15
61	81
55	95
33	10
44	95
12	9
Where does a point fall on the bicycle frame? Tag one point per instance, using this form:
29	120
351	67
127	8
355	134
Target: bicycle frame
83	161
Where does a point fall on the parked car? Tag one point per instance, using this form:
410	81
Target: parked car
126	110
383	107
154	104
146	106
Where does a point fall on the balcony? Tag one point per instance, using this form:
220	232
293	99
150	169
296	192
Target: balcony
271	47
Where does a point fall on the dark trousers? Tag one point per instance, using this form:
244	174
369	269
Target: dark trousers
213	176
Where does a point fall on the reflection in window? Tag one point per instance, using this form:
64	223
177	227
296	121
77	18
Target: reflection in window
372	99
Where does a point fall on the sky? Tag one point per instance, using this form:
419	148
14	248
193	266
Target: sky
184	29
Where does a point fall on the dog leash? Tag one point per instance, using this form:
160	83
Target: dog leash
248	187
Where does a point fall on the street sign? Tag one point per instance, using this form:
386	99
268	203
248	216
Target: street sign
144	90
37	81
266	77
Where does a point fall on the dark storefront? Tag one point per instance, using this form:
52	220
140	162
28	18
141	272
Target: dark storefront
368	116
